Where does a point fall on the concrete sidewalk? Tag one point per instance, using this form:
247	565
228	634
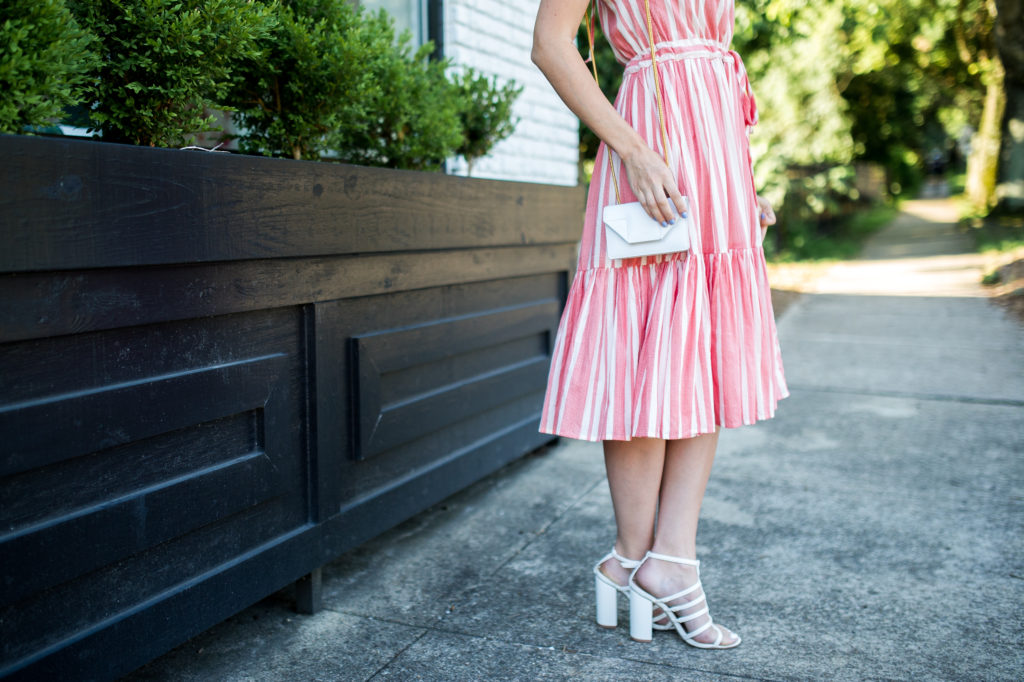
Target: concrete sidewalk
873	530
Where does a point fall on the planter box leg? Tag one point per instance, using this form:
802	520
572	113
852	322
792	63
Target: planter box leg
309	592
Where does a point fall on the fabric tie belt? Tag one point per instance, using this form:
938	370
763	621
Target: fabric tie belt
693	48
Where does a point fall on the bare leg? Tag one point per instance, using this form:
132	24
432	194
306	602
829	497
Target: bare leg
684	479
687	469
635	471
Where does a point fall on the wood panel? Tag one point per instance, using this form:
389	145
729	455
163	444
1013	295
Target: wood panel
78	204
218	373
188	427
384	421
428	373
36	305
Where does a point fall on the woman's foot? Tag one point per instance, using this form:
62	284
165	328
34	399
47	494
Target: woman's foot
615	572
618	574
659	577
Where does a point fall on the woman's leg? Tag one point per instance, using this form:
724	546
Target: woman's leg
687	469
684	479
634	476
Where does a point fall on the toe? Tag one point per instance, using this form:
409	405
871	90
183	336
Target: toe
728	636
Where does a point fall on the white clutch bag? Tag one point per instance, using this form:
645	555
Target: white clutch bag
630	233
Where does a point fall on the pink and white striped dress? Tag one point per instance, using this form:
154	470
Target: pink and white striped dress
672	346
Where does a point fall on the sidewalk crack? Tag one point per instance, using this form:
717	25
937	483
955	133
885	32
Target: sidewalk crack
397	654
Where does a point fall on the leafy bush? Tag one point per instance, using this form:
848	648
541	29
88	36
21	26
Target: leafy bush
486	113
332	78
304	82
44	56
165	62
305	78
414	121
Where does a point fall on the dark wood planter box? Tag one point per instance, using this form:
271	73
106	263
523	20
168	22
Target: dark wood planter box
218	373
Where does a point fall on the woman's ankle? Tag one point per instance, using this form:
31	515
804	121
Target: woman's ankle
631	551
678	550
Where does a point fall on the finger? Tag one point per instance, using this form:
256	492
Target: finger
645	201
678	200
664	209
650	206
653	208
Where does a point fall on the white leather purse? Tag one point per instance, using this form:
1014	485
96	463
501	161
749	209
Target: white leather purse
629	232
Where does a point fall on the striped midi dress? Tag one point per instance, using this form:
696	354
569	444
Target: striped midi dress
672	346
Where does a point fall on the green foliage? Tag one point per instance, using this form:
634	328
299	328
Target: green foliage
333	79
166	62
415	120
806	241
44	57
879	81
609	77
843	82
309	78
995	234
486	113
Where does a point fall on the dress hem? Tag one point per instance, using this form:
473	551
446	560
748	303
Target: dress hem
730	424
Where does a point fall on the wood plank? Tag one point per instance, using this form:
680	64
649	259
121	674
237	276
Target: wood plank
96	601
38	305
156	622
419	415
68	546
418	379
361	480
382	421
394	349
380	508
42	432
75	204
47	492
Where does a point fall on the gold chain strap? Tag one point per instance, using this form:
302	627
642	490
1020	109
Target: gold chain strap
657	87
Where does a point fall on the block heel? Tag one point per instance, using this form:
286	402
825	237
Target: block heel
606	590
641	617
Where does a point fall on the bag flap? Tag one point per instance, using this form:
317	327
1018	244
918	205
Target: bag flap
619	226
633	225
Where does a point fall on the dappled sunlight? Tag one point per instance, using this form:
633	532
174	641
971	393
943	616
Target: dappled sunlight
928	209
920	253
938	276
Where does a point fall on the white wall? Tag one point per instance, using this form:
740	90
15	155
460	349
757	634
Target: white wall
495	37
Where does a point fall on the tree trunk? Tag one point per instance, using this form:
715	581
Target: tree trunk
983	162
1009	28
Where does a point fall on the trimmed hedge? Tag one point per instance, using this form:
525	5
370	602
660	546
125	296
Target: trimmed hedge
303	78
45	57
166	62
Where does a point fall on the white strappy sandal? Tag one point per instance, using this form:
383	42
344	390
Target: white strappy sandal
642	604
607	592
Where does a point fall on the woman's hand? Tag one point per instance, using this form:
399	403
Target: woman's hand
653	184
766	214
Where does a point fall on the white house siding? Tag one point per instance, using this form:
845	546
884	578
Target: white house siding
495	37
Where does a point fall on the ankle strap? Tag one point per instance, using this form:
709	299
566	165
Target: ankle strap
673	559
623	561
